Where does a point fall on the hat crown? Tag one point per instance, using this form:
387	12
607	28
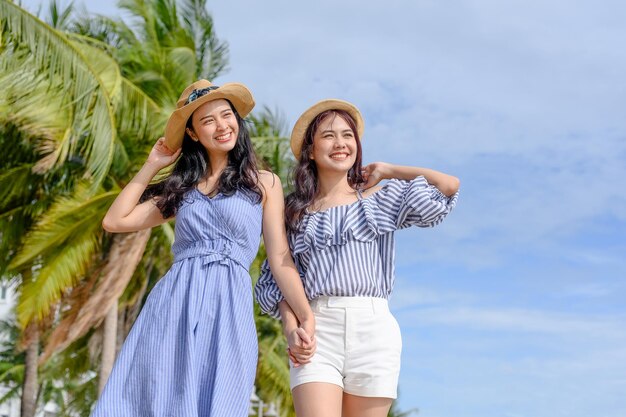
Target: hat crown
198	85
303	122
196	95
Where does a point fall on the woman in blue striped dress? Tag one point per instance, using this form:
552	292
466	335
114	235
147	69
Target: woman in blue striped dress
341	232
192	351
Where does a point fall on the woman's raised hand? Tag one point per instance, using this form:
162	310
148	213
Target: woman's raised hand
375	173
161	156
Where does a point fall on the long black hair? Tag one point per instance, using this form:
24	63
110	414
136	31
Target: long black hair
304	176
193	165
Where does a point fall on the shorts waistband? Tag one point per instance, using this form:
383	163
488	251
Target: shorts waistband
350	302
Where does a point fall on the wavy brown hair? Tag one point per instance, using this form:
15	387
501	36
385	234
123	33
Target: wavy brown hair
304	176
241	173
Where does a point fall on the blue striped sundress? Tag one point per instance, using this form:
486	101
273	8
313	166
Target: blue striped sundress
192	351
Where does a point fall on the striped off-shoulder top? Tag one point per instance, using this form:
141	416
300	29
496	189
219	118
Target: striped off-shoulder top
349	250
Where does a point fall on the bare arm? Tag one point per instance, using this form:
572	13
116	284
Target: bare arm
301	345
126	214
377	171
278	253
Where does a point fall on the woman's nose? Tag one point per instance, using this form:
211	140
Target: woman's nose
340	142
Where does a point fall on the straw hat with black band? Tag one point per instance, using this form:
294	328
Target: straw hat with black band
303	122
194	96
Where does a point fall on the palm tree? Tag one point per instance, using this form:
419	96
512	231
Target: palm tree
144	51
74	263
156	54
121	83
69	97
268	130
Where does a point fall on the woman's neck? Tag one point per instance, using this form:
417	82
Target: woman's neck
209	183
333	185
217	164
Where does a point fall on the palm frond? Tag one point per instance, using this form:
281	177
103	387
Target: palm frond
113	34
30	101
123	258
53	53
67	219
72	304
267	130
15	186
138	113
182	60
273	376
58	17
14	391
61	271
212	53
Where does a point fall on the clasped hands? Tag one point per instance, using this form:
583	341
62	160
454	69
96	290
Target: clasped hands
302	343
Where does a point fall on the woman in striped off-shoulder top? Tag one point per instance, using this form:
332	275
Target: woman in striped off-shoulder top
341	233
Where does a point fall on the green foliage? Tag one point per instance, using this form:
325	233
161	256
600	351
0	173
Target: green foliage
82	100
168	45
268	131
67	236
68	380
88	85
395	412
11	362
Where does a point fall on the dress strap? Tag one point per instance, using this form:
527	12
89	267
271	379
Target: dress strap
358	194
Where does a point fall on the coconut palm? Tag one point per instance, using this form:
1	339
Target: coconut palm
79	273
64	98
268	131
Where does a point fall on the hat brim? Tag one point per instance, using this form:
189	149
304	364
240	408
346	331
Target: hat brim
303	122
237	94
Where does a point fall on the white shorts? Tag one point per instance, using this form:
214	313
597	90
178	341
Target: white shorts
358	347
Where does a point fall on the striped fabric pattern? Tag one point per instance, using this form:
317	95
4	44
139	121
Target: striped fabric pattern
192	351
349	250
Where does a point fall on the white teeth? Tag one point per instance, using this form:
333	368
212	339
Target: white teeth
223	137
339	156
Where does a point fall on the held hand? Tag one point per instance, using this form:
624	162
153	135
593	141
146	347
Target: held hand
161	156
301	346
308	325
374	173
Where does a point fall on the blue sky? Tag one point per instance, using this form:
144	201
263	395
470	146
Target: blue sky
515	306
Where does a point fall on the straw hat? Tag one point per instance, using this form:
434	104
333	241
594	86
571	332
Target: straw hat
302	124
194	96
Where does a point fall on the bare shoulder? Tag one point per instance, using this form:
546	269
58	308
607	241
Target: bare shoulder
370	191
270	185
269	180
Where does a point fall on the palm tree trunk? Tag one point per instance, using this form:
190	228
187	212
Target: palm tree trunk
109	346
124	256
121	325
29	389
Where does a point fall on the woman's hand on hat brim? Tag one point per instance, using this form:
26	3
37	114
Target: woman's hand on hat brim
161	156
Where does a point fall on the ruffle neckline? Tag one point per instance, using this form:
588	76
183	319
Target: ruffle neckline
319	230
365	220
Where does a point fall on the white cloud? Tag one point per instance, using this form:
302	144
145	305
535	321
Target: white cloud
524	101
520	320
